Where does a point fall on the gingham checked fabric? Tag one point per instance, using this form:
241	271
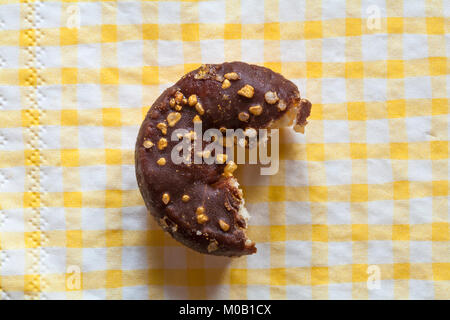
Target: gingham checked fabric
364	193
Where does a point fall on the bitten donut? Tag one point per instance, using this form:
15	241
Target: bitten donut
201	205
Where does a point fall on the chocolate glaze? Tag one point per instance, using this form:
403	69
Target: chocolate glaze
205	184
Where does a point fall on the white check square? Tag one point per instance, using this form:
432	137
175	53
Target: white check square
334	90
90	13
129	54
420	170
9	57
49	14
134	258
52	179
252	11
298	254
340	291
12	179
170	53
415	46
292	10
340	253
418	88
212	11
338	213
90	137
374	47
252	50
293	50
377	131
379	171
380	252
338	172
168	12
93	218
10	98
421	210
94	259
134	218
129	13
380	212
421	251
418	128
93	178
298	213
333	50
212	51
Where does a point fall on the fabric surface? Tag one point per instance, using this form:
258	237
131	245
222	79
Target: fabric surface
363	195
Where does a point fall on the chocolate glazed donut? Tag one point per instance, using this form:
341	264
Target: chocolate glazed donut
201	205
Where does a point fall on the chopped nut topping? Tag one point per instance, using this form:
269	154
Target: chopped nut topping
231	76
198	232
223	129
223	225
179	97
202	218
247	91
165	198
226	84
229	169
248	242
200	210
213	246
184	101
221	158
282	105
185	198
161	161
199	108
256	110
219	78
271	97
163	127
192	100
178	107
196	119
172	102
243	116
162	143
147	144
173	118
191	135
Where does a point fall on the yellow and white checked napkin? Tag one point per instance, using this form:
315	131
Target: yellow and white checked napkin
359	208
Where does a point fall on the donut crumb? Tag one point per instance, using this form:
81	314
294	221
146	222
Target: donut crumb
213	246
282	105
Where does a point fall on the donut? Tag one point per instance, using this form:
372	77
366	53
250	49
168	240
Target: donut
201	205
